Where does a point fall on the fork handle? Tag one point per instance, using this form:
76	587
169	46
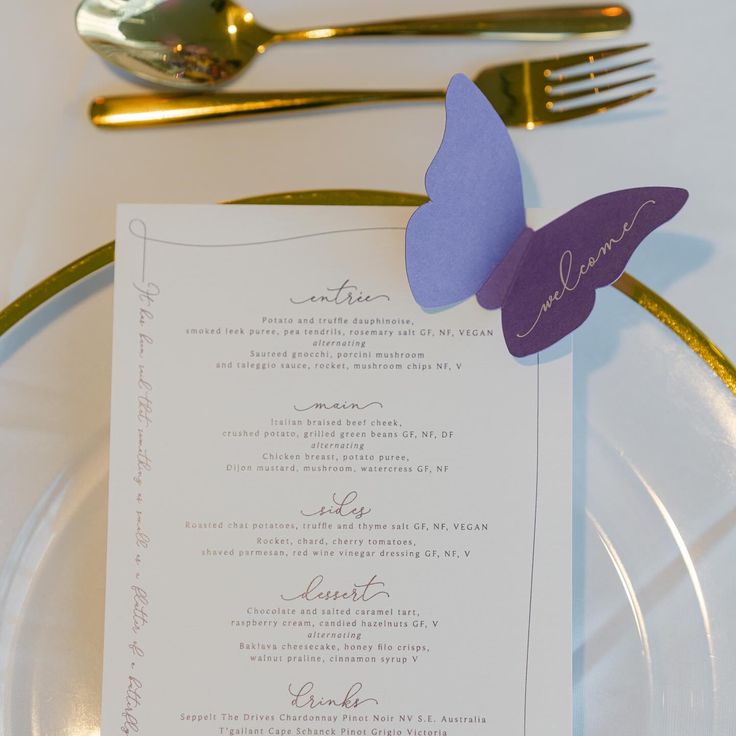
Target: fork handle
127	111
543	23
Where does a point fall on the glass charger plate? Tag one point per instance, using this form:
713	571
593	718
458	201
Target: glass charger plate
654	514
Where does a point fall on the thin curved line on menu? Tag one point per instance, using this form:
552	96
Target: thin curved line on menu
533	559
638	292
144	236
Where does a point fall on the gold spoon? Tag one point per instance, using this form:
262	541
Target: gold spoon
196	43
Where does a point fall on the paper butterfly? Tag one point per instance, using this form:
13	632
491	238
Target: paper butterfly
472	238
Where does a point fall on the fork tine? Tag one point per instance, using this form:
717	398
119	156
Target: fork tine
561	62
562	79
577	112
566	96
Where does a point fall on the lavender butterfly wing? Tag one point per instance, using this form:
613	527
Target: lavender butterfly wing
476	211
567	260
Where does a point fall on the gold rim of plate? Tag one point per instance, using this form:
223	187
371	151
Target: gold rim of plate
640	293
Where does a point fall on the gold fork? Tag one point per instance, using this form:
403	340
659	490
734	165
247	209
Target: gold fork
528	93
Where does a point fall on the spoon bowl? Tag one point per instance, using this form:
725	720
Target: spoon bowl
182	43
200	43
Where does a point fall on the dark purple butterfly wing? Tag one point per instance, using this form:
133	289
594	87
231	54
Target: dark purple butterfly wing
494	293
553	291
476	211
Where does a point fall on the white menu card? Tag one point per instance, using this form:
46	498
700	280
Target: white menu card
331	513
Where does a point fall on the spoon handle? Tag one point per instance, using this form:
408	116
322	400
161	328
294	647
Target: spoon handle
126	111
544	23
